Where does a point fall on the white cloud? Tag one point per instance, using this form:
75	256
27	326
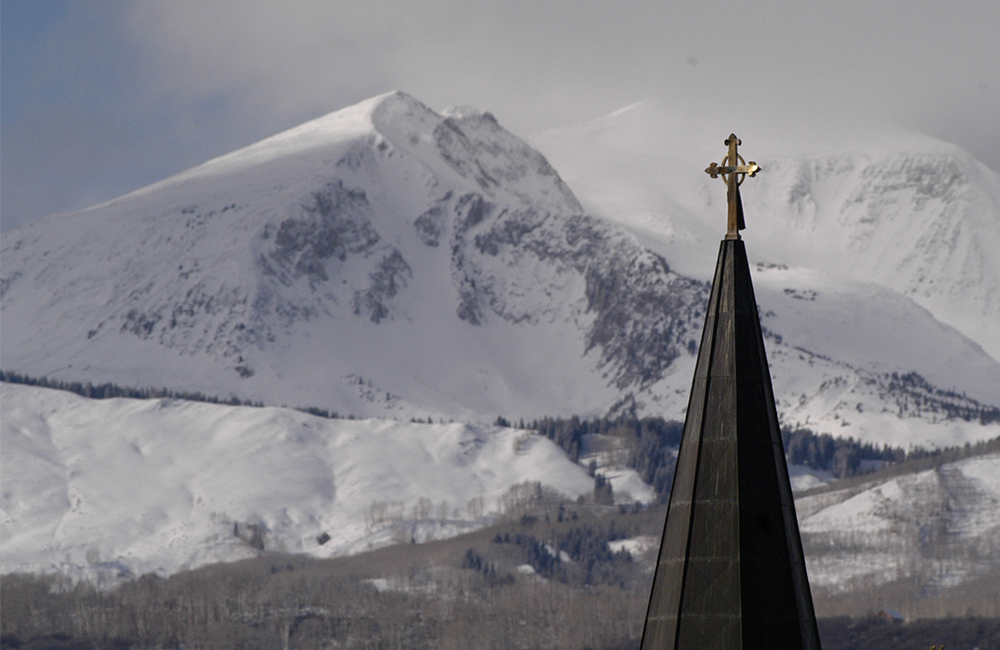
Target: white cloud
196	78
545	62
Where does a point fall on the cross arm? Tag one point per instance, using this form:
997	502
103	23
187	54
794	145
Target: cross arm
750	169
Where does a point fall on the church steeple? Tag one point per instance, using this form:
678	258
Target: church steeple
731	572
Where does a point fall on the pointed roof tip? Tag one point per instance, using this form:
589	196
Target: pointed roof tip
730	566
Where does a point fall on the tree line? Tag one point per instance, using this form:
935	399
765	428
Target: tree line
110	390
579	555
922	396
650	445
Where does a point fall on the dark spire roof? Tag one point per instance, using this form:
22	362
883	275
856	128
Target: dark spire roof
731	572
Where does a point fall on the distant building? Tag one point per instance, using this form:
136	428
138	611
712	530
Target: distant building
891	615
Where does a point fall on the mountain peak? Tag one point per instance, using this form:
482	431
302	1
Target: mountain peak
377	250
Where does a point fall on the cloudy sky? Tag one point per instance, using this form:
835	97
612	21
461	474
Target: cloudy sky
100	97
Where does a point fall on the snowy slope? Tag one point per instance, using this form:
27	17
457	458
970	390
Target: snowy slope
383	259
109	487
902	210
942	525
855	359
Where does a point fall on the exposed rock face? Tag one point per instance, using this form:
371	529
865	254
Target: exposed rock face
643	316
336	223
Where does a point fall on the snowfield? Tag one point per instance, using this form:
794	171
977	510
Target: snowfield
122	486
908	212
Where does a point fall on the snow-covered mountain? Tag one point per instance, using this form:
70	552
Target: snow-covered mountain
856	359
899	209
387	260
383	259
876	259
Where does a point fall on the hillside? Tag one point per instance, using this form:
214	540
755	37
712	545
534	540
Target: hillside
568	574
111	489
122	487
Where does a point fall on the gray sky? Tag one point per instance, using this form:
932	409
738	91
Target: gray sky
100	97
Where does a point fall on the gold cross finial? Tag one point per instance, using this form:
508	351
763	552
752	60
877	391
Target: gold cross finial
729	170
